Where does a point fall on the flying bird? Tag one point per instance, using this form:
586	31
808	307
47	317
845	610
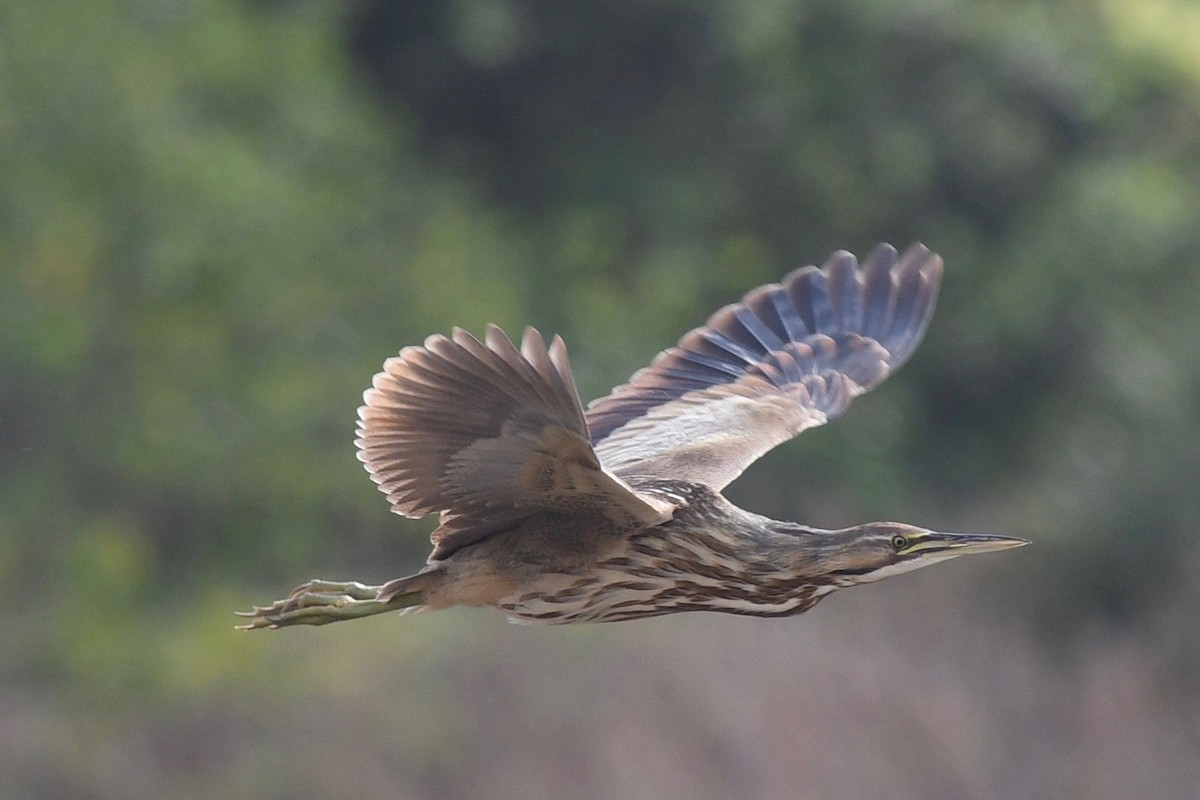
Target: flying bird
554	514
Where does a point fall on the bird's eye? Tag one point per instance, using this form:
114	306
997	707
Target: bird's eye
899	542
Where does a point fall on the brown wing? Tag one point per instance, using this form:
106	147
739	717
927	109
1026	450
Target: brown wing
790	356
486	435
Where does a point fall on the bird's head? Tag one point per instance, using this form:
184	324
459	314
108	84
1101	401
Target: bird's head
878	550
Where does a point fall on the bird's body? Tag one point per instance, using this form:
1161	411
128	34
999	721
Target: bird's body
710	556
554	515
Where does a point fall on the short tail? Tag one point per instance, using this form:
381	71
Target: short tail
409	592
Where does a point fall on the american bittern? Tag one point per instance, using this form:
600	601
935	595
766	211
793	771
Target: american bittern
553	514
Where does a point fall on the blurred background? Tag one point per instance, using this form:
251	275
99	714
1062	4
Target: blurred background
218	218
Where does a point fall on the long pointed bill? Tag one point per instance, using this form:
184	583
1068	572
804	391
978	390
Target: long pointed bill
965	543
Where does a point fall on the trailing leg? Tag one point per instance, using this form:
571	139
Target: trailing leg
320	602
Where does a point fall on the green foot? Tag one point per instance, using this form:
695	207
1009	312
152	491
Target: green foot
320	602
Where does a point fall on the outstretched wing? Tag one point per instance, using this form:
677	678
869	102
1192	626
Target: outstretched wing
487	435
790	356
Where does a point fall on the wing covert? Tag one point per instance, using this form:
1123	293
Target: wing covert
486	435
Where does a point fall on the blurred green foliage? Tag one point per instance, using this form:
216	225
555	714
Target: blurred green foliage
218	218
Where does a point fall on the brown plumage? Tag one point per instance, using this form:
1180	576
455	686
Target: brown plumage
553	514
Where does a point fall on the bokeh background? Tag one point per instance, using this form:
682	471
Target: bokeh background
217	219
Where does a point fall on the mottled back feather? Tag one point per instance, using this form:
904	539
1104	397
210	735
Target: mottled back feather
788	357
